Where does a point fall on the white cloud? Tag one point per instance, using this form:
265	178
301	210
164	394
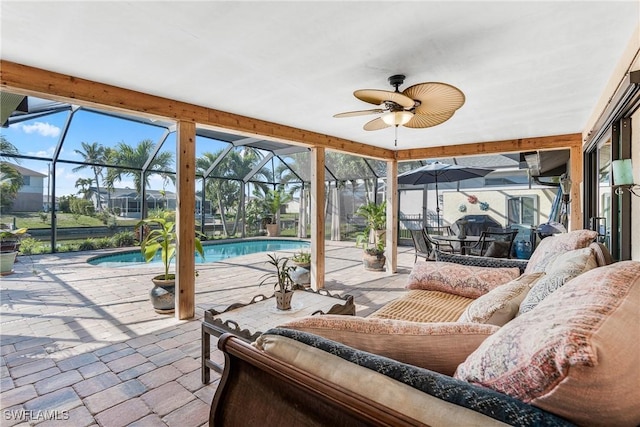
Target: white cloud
42	129
43	153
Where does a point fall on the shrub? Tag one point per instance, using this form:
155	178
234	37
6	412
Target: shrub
88	245
124	238
43	216
104	243
30	246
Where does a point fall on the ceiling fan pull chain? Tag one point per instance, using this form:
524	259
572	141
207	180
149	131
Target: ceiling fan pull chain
395	144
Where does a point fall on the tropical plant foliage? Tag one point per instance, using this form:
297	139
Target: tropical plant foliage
281	278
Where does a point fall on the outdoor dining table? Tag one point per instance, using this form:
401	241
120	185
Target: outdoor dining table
464	241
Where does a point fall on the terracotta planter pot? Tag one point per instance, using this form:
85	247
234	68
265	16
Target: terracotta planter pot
163	294
283	300
273	230
373	262
6	262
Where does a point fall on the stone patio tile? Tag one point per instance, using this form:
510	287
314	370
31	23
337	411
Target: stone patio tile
6	349
63	399
93	369
58	381
167	398
169	343
96	384
142	341
191	349
166	357
206	393
152	420
77	417
136	371
193	380
126	362
160	376
187	364
23	357
77	361
117	354
169	334
123	414
13	416
114	395
6	384
193	414
31	367
18	395
110	349
150	350
30	379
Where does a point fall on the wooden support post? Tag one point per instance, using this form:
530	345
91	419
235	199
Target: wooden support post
185	219
392	217
576	159
317	218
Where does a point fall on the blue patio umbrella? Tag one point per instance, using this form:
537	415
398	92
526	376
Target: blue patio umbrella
440	172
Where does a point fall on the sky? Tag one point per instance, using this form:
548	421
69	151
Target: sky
39	137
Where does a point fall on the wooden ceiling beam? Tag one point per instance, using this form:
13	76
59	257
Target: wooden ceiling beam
25	80
493	147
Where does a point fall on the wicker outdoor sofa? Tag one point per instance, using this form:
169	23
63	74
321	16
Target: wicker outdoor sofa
565	359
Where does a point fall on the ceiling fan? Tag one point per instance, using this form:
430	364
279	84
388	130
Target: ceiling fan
419	106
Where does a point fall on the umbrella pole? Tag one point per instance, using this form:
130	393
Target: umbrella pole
437	202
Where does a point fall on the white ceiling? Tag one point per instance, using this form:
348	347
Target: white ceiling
527	68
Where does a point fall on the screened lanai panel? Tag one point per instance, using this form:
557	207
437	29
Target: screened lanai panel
407	166
37	136
117	141
208	152
347	167
238	163
379	167
300	164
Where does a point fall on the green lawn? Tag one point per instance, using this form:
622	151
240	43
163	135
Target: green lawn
32	220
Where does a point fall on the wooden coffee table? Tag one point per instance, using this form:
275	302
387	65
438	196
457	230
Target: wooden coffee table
248	321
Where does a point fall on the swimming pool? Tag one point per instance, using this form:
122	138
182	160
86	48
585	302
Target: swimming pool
213	252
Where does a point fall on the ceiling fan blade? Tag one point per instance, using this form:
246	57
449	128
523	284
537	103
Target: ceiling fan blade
375	124
428	120
435	98
359	113
377	97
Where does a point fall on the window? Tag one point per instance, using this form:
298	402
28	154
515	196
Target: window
26	180
522	210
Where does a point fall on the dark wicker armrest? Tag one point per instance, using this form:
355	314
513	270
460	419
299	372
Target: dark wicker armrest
479	261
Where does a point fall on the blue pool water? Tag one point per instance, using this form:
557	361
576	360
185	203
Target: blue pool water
213	252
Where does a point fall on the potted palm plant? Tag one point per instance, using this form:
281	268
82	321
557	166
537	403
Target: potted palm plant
281	280
272	202
161	237
372	239
9	246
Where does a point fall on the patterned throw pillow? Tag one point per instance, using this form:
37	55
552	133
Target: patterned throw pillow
557	244
562	269
500	305
576	355
439	347
464	280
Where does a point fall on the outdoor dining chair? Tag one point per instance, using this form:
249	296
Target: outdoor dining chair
444	230
422	245
494	244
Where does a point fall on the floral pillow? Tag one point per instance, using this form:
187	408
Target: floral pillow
464	280
557	244
562	269
501	304
576	354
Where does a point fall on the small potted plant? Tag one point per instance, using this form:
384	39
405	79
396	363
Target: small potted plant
281	280
9	246
372	239
161	237
302	259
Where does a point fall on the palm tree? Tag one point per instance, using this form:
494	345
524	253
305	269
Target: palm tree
132	159
10	178
93	156
84	186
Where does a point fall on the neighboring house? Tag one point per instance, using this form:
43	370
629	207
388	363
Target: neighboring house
126	202
30	195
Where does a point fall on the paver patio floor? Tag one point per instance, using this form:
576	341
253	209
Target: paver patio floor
81	344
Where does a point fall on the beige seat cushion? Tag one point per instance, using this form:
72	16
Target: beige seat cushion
464	280
577	354
424	306
440	347
501	304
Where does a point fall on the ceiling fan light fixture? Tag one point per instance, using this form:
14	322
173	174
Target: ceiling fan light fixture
397	118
